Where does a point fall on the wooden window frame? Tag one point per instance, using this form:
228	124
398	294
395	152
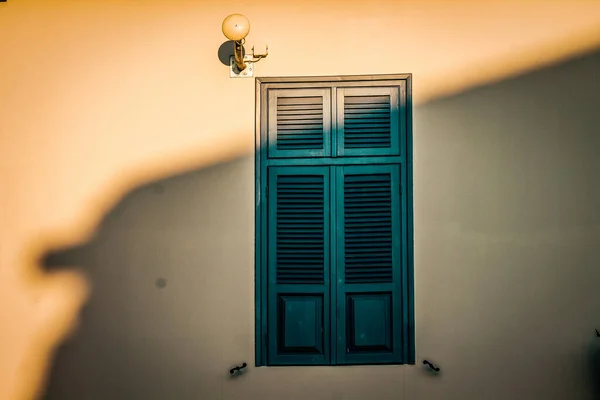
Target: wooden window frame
261	149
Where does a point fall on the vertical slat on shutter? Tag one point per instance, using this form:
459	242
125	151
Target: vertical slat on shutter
369	265
298	259
369	121
299	123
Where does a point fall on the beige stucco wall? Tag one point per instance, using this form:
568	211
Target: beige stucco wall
99	97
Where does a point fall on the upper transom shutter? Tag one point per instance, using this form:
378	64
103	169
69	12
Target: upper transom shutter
368	121
299	123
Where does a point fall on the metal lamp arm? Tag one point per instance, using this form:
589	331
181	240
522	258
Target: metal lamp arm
238	47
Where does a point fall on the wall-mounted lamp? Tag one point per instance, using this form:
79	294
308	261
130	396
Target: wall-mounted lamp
235	28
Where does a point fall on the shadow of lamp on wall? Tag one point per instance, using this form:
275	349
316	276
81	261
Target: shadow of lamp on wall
236	27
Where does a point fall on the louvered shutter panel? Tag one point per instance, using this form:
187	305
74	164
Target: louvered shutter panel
369	121
299	123
298	265
369	263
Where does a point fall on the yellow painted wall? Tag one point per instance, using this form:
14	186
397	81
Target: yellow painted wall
98	97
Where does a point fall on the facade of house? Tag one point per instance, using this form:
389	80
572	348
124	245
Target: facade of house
139	136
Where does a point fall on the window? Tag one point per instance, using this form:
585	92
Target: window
334	282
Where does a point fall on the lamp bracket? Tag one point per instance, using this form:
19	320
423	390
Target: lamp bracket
248	72
259	57
249	61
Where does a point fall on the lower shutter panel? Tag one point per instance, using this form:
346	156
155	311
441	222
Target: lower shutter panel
369	303
298	258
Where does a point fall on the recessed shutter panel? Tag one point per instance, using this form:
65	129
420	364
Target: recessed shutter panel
299	267
299	123
369	265
369	121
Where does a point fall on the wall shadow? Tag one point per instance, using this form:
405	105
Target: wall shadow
506	235
144	333
175	257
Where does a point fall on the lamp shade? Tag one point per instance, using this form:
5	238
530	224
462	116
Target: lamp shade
236	27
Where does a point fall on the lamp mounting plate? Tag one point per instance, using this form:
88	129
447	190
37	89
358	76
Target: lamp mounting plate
248	72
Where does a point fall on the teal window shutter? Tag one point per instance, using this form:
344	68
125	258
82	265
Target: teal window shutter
368	121
334	221
298	266
299	123
370	265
